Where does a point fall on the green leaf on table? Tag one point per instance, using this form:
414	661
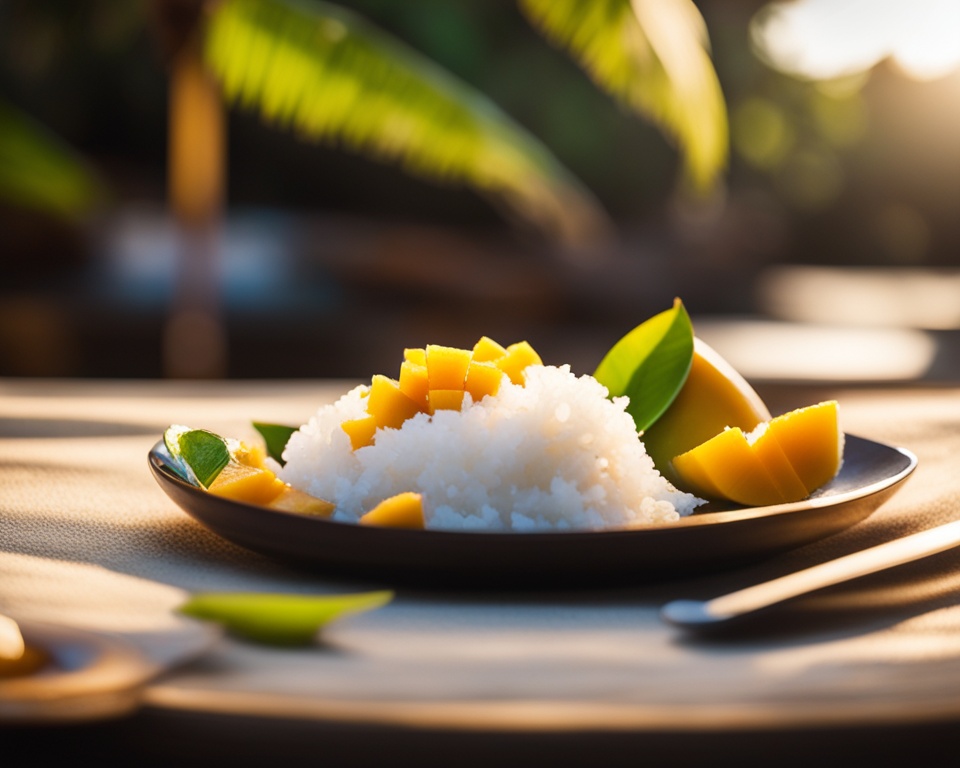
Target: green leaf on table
650	364
279	619
205	453
275	436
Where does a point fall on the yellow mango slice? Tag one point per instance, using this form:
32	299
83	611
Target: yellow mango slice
713	397
413	382
295	500
785	461
728	468
387	404
483	379
444	400
487	350
446	366
811	440
360	431
405	510
518	356
778	465
252	485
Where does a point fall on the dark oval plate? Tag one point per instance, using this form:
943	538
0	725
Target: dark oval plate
713	538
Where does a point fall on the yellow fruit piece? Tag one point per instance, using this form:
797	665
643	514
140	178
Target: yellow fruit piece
415	355
778	465
295	500
811	440
251	455
414	383
387	404
518	356
487	350
445	400
252	485
727	467
713	397
405	510
482	379
446	366
360	431
785	461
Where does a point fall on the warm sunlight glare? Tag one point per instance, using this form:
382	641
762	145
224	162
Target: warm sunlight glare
826	39
927	299
773	351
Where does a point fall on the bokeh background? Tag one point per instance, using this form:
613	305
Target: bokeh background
830	249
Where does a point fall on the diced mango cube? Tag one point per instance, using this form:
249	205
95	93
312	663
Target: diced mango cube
301	502
360	431
413	382
446	366
487	350
405	510
387	404
445	400
516	360
415	355
251	485
482	379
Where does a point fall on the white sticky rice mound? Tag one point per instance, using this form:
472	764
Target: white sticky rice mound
555	454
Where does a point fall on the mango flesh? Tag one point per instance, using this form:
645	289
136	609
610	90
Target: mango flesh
784	461
414	383
252	485
405	510
444	400
714	396
360	431
446	367
436	378
294	500
388	405
483	378
257	485
518	357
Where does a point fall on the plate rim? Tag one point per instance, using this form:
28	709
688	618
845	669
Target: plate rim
161	469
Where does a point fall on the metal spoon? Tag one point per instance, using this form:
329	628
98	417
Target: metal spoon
705	615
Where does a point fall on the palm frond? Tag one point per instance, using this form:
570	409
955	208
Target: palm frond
39	171
331	76
652	56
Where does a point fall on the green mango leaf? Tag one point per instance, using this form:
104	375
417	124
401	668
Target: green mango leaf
278	619
205	453
276	437
171	441
650	364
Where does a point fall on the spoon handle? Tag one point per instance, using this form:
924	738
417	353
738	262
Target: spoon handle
708	614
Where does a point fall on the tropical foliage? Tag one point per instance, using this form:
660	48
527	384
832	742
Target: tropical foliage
329	74
332	76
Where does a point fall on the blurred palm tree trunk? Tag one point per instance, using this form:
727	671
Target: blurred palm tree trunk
194	338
